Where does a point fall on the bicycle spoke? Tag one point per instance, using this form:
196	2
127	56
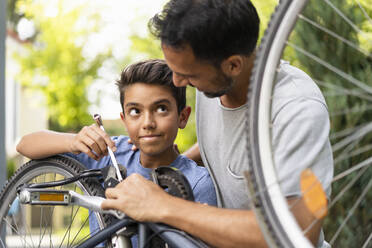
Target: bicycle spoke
337	71
2	243
356	109
341	91
357	135
364	12
333	34
362	164
367	241
70	225
351	211
79	230
347	155
347	187
16	231
343	16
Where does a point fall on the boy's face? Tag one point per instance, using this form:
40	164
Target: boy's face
151	117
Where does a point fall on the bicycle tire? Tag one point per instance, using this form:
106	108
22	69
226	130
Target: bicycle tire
276	221
24	233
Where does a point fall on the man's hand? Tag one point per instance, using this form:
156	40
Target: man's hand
93	141
137	197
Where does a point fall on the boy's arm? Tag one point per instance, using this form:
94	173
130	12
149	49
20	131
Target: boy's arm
44	144
90	140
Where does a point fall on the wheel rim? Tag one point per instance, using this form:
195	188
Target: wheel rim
22	231
264	173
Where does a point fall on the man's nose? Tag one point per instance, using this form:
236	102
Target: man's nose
180	81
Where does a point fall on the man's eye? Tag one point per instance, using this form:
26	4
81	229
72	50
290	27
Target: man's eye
133	112
162	109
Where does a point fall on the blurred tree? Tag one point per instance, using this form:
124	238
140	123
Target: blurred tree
349	105
55	63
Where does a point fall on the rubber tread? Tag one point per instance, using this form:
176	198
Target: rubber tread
70	165
255	175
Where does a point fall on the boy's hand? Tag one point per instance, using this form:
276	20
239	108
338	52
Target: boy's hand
134	147
93	141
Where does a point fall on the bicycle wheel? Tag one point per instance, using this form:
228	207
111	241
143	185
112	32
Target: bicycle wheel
331	42
48	226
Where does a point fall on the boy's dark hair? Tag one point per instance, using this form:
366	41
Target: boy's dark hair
153	71
215	29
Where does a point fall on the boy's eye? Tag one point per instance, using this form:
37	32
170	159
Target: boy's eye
161	109
133	112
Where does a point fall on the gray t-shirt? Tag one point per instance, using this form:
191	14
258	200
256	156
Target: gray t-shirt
299	136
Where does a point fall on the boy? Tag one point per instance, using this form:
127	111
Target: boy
153	110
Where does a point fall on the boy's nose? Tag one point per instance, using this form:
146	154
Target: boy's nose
149	121
180	81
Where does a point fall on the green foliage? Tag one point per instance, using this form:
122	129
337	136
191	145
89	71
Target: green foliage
11	167
348	104
264	9
55	64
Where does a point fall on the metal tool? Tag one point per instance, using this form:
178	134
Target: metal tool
98	120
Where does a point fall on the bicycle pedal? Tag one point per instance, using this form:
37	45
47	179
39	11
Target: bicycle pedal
44	196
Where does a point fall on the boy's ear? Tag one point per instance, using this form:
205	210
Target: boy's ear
233	65
122	117
184	117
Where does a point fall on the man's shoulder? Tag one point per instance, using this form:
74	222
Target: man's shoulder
292	82
295	88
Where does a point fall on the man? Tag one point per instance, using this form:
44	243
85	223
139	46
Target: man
210	45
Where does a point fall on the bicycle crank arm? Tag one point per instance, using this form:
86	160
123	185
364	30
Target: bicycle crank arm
93	203
64	197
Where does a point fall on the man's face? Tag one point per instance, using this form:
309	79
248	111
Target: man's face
187	70
151	118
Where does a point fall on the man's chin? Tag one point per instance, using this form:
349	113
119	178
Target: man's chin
214	94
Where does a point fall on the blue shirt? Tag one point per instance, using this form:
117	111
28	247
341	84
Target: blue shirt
198	177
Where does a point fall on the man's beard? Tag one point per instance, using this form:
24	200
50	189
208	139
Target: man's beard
229	84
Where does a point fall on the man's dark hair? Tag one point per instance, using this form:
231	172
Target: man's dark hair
155	72
215	29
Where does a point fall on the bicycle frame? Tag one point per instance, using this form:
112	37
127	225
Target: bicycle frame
38	194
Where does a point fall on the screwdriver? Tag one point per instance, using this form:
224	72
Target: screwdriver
98	120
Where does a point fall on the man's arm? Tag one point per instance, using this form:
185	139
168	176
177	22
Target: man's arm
144	201
193	153
90	140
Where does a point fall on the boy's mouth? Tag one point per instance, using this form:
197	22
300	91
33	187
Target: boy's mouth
150	136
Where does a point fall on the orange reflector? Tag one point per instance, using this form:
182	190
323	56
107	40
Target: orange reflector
313	194
51	197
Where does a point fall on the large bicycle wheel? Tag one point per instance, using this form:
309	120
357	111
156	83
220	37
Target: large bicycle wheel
48	226
331	42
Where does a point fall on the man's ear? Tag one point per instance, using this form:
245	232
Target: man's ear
184	117
233	65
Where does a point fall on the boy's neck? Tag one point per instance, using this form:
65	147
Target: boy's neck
155	161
